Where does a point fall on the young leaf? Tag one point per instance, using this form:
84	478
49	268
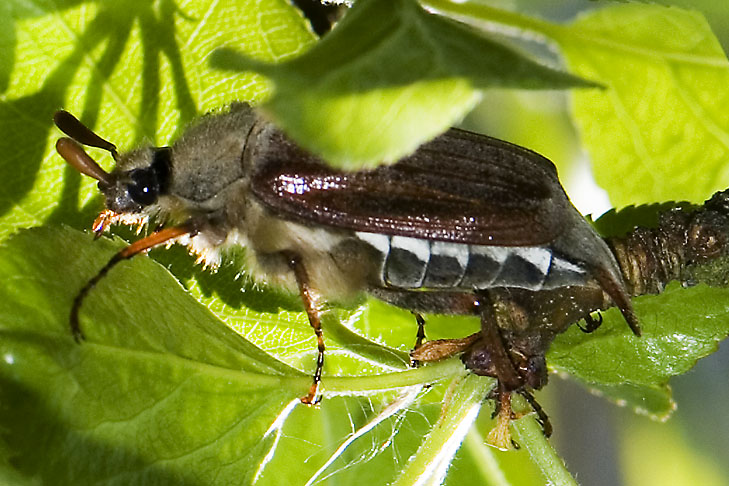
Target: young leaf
658	130
389	77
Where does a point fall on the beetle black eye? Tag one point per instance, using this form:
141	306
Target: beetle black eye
148	183
144	188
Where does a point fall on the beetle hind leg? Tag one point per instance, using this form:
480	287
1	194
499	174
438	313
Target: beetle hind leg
420	336
494	354
443	348
504	414
489	355
436	302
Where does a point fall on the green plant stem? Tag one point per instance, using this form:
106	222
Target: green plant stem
484	457
529	434
334	385
333	327
460	409
353	385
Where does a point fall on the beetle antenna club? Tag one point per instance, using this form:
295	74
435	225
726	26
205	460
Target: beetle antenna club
71	126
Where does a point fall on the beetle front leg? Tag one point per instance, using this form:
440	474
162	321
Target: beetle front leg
311	303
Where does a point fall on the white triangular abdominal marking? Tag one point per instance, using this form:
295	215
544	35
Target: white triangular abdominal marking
412	263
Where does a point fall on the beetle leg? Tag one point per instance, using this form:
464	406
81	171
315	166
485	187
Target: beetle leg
419	338
542	416
500	436
443	348
436	302
490	356
311	304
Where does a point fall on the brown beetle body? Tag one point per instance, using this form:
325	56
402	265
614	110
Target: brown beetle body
465	225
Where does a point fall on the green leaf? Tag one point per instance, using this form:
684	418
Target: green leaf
389	77
133	70
161	390
208	394
659	129
716	13
680	326
621	222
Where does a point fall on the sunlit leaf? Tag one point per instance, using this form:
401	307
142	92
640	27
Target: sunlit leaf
659	129
133	70
389	77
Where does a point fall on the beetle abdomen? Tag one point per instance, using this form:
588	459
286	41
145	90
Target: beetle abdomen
413	263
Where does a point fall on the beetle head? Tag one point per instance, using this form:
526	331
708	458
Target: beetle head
132	188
